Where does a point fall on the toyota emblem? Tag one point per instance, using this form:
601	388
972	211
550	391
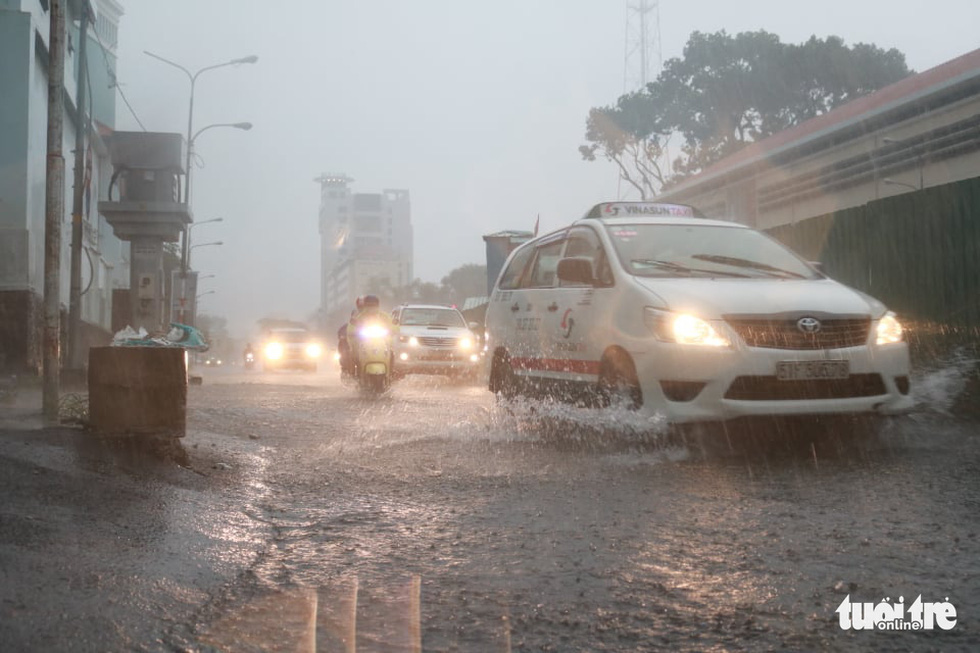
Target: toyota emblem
808	325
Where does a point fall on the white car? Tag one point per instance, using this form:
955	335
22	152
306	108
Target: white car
290	348
689	318
434	339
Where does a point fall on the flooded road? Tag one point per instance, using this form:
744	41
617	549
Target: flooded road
434	514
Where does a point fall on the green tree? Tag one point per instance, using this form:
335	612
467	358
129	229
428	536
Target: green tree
726	92
468	280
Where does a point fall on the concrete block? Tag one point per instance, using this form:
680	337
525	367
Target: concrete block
138	391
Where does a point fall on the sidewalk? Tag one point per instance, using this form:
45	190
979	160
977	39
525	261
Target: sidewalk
103	547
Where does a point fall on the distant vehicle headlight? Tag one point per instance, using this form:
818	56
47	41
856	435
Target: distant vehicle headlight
683	329
889	330
413	342
465	343
313	350
273	351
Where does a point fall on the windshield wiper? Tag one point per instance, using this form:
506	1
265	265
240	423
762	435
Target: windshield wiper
745	263
677	267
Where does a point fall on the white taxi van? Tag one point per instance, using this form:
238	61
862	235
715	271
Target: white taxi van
689	318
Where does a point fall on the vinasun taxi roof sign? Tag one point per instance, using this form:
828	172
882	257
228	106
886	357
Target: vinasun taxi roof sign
640	210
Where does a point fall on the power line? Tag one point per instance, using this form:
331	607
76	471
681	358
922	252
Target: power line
114	81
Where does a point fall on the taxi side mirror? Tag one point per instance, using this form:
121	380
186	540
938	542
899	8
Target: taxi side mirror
576	269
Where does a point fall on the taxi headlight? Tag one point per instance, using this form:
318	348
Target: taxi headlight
889	330
465	343
683	329
313	350
273	351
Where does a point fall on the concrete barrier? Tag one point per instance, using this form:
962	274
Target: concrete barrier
138	391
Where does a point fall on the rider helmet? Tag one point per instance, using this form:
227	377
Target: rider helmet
371	301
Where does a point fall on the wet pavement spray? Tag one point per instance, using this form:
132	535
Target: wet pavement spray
436	516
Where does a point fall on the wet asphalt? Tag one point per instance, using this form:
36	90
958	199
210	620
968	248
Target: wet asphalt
310	517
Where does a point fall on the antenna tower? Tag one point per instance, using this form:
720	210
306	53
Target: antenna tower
644	57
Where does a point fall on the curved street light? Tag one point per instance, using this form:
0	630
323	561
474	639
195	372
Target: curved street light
213	242
209	292
190	111
190	227
244	126
192	77
198	224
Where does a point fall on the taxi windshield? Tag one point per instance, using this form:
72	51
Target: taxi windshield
682	250
445	317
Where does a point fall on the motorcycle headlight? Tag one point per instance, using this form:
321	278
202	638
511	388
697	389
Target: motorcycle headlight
889	330
682	328
313	350
273	351
373	331
465	343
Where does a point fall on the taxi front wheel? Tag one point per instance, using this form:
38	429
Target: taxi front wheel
503	381
618	384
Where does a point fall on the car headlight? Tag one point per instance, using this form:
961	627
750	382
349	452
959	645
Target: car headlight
889	330
273	351
413	342
683	329
465	343
313	350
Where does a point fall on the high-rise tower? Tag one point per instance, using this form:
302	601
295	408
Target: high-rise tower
366	241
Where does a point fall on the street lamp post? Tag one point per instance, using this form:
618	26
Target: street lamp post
213	242
918	162
186	261
192	77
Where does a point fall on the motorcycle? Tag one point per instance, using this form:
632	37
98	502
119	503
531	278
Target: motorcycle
374	355
249	360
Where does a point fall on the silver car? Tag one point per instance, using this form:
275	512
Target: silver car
434	339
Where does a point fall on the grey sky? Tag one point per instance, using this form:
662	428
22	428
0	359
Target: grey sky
476	107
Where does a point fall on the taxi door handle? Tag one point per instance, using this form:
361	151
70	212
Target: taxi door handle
515	307
553	307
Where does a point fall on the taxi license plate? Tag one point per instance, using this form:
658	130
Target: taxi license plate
810	370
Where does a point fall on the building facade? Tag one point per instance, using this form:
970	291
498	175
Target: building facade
24	51
366	243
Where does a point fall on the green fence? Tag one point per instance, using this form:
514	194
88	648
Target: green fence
918	252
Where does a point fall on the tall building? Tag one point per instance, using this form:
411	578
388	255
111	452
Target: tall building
24	53
366	243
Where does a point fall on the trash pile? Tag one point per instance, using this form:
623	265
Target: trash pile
179	335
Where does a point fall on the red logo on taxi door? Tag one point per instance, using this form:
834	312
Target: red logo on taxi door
567	324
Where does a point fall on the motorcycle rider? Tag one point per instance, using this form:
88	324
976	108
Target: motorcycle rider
343	345
248	351
370	311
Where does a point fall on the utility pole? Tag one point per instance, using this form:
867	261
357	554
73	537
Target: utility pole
75	361
54	209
